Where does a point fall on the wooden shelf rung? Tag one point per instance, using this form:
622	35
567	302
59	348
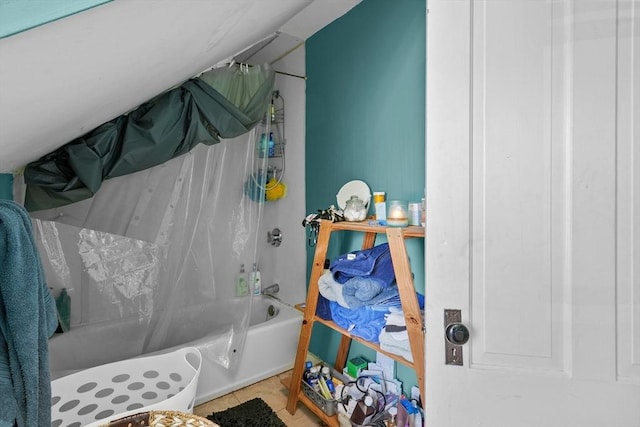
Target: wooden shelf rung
369	344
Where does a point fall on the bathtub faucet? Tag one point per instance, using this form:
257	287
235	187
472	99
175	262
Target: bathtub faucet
271	290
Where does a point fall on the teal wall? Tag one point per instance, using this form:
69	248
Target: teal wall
17	16
6	186
365	119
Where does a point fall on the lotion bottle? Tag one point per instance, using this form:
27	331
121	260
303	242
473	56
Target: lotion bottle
242	289
255	280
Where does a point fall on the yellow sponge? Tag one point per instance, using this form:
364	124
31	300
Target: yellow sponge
275	190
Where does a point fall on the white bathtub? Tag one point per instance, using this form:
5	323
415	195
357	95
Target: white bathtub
269	349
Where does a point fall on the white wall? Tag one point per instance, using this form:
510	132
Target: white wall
60	80
286	264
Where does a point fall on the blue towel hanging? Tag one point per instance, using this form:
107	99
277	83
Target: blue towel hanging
27	319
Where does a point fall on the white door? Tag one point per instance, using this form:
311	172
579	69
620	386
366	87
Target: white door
533	212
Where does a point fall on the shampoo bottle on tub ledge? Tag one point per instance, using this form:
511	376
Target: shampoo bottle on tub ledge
255	281
242	289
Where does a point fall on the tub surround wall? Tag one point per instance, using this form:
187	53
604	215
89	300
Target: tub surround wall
286	264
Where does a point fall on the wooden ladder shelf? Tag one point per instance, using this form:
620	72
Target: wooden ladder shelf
415	328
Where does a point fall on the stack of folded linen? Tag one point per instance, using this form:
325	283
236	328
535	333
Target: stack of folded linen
360	287
362	292
394	337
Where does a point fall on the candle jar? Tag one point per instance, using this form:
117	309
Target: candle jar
397	214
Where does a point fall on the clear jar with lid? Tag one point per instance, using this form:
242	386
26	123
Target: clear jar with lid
355	209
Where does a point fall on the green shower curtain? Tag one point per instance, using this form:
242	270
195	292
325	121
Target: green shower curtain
222	103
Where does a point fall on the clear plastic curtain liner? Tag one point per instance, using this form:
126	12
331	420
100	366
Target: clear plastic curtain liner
159	251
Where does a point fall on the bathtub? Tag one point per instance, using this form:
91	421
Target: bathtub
269	349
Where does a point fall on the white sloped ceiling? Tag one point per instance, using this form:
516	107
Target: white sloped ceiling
62	79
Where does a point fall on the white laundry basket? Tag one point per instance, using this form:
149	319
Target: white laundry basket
95	396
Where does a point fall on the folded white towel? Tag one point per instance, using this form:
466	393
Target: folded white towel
396	325
396	346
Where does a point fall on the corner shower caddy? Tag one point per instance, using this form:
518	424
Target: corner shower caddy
406	289
270	162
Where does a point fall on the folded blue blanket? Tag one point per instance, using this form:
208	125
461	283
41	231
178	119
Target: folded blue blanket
27	319
361	291
364	322
363	288
322	308
373	262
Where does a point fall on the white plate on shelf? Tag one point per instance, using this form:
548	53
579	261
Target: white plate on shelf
353	188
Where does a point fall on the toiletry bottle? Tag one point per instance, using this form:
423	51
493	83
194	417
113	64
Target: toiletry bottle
307	371
272	145
63	304
263	147
326	372
380	206
255	280
241	284
363	412
314	374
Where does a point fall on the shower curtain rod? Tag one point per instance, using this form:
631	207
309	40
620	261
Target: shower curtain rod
265	44
242	64
292	75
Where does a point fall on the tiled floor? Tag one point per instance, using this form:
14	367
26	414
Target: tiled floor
273	392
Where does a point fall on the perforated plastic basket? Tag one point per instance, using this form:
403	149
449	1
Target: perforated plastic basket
95	396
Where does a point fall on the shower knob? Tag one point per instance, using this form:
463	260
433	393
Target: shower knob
274	237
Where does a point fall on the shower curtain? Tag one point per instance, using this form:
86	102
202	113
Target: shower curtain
150	246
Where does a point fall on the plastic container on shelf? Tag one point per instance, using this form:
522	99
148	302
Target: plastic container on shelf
328	406
380	205
355	209
415	214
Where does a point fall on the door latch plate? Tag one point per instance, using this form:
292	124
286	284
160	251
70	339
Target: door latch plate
453	352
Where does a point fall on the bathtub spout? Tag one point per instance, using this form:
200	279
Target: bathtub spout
271	290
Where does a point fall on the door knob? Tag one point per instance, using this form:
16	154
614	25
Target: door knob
457	333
